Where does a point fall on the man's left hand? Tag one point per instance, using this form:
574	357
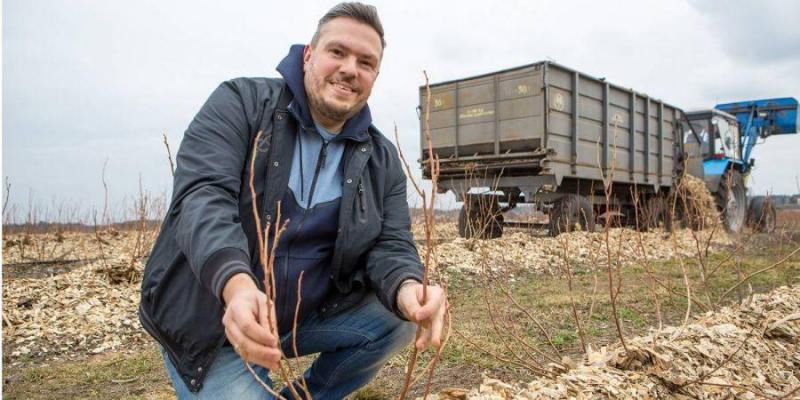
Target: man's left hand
428	316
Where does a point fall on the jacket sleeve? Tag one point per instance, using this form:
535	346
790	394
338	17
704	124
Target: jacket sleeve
394	257
208	177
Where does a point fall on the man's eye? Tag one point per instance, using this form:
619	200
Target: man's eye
337	52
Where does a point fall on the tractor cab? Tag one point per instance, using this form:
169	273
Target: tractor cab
718	134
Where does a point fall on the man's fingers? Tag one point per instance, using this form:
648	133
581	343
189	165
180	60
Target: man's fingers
424	338
432	306
436	329
250	351
245	319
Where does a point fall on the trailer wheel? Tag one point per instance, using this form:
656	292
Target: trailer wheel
761	215
732	200
480	217
571	213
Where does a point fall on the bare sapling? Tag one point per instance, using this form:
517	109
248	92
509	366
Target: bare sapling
429	225
613	264
504	326
646	262
266	257
566	257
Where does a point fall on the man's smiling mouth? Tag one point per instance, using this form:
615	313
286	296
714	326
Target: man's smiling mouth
343	88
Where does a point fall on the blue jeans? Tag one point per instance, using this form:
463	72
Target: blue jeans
353	346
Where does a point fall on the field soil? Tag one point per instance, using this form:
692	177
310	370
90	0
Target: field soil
70	328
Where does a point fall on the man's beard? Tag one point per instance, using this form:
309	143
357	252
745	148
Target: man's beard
330	111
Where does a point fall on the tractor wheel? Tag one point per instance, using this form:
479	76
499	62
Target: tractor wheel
761	215
571	213
481	218
732	200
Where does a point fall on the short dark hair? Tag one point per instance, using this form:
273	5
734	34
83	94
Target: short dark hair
360	12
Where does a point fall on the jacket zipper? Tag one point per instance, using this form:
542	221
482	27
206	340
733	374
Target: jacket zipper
323	154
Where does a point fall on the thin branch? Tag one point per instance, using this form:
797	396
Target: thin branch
5	200
762	270
533	369
304	384
169	153
104	218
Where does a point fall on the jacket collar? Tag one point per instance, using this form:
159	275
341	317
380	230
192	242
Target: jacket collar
291	68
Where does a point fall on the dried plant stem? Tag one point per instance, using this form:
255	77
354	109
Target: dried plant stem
790	393
431	368
571	292
482	348
762	270
261	382
608	186
532	318
104	219
432	364
169	153
702	377
498	330
593	257
428	210
303	383
267	260
647	266
7	187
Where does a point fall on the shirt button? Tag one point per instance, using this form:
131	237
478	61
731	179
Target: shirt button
199	369
269	217
335	305
323	309
193	382
275	164
363	149
349	181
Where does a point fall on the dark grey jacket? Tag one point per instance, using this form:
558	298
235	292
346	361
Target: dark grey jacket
209	230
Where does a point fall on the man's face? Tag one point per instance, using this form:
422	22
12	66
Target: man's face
340	69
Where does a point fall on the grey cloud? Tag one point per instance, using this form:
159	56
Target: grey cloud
754	31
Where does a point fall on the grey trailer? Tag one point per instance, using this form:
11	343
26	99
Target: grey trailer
549	135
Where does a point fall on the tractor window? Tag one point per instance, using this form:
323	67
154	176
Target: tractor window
701	128
725	139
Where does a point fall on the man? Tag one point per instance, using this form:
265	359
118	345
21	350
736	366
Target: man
340	185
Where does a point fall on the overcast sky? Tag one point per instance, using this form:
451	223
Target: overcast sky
86	81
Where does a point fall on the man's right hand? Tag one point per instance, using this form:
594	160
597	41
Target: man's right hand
246	322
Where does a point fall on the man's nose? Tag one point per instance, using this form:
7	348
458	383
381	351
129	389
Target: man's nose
348	68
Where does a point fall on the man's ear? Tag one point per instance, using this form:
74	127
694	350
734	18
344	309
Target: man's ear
307	54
